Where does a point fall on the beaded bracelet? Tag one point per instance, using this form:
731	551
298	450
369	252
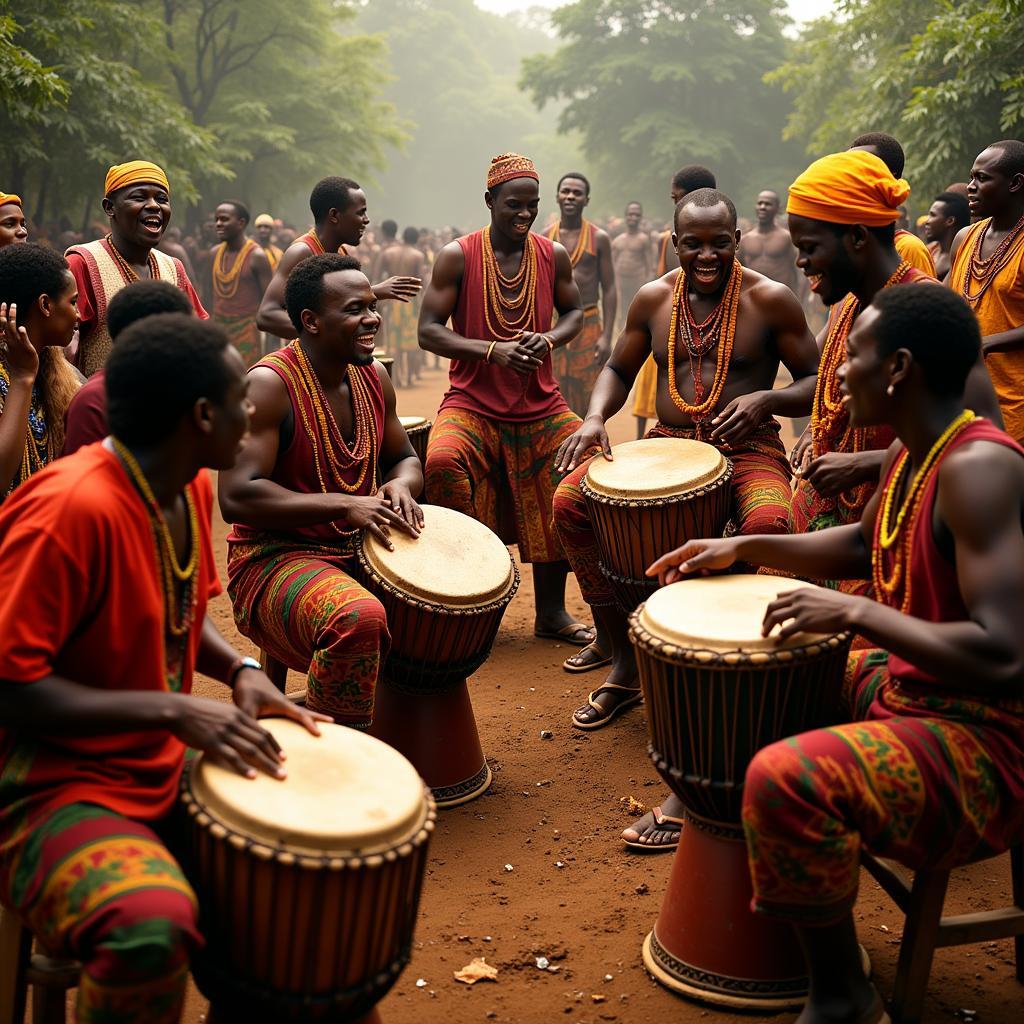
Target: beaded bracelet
550	341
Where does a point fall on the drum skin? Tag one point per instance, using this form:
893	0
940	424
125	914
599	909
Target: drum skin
710	709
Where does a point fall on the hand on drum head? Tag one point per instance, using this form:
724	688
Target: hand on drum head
228	735
577	447
258	697
812	610
694	556
400	498
375	514
740	418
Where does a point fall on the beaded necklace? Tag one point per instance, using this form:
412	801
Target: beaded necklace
718	330
127	270
891	535
179	615
986	270
582	242
516	314
225	282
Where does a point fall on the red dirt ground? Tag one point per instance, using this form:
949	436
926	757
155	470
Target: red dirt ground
558	800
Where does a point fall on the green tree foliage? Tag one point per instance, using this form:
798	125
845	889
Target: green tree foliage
944	76
454	69
654	85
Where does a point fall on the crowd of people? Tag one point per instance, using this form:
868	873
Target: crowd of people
136	363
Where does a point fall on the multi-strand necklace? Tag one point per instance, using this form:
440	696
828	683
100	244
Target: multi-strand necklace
127	270
225	282
582	242
985	271
898	536
507	318
718	332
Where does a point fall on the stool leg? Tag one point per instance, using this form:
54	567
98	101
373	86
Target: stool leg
48	1005
275	670
15	950
1017	875
920	932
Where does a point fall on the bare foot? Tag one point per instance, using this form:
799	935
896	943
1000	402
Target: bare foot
655	834
615	694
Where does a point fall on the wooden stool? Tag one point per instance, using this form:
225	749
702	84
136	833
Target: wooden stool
276	670
921	898
49	977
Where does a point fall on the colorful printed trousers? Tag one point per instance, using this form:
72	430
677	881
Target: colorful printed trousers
501	474
105	890
925	777
574	364
300	603
760	504
244	335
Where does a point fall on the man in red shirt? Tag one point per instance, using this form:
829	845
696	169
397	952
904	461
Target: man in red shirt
105	570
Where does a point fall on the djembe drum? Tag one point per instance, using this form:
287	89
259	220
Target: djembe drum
388	362
418	429
445	594
716	692
655	495
309	886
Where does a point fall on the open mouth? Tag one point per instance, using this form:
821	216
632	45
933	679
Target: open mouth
814	282
520	227
155	223
366	341
706	275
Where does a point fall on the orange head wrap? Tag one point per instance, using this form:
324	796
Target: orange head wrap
848	188
8	197
508	166
133	173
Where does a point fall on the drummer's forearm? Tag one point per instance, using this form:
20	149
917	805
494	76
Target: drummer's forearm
609	394
265	505
215	657
55	706
795	399
408	471
838	553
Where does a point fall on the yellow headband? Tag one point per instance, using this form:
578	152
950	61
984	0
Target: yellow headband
134	172
9	197
263	218
848	188
508	166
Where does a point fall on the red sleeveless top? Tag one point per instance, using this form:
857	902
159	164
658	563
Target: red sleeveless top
485	388
934	588
302	463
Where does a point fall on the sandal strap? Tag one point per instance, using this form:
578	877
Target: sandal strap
660	819
592	646
612	686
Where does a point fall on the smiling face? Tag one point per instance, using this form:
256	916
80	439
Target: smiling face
514	208
348	320
228	223
12	225
572	197
705	241
351	223
863	379
824	257
139	214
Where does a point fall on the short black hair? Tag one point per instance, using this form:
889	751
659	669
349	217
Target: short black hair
635	202
692	177
388	228
957	207
331	194
1012	161
411	236
305	287
145	298
704	198
240	208
889	150
936	326
29	270
578	176
159	368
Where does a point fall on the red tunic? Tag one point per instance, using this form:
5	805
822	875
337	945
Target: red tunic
86	418
247	295
81	597
485	388
296	465
934	589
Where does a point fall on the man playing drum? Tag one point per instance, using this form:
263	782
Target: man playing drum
932	771
492	449
105	572
326	458
732	327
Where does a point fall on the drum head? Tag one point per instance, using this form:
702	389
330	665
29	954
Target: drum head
455	561
346	793
412	422
721	613
657	467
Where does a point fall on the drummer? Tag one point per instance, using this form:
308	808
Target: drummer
735	412
95	696
326	458
933	771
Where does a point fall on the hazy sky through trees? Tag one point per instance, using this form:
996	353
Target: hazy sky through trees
800	10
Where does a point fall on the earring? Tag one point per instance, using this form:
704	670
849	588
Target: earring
889	390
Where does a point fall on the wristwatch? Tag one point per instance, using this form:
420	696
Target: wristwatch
239	665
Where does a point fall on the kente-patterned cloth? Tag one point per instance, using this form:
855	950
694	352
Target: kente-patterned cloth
927	774
508	166
759	504
105	890
237	314
852	187
135	172
915	252
301	604
574	364
502	474
999	309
